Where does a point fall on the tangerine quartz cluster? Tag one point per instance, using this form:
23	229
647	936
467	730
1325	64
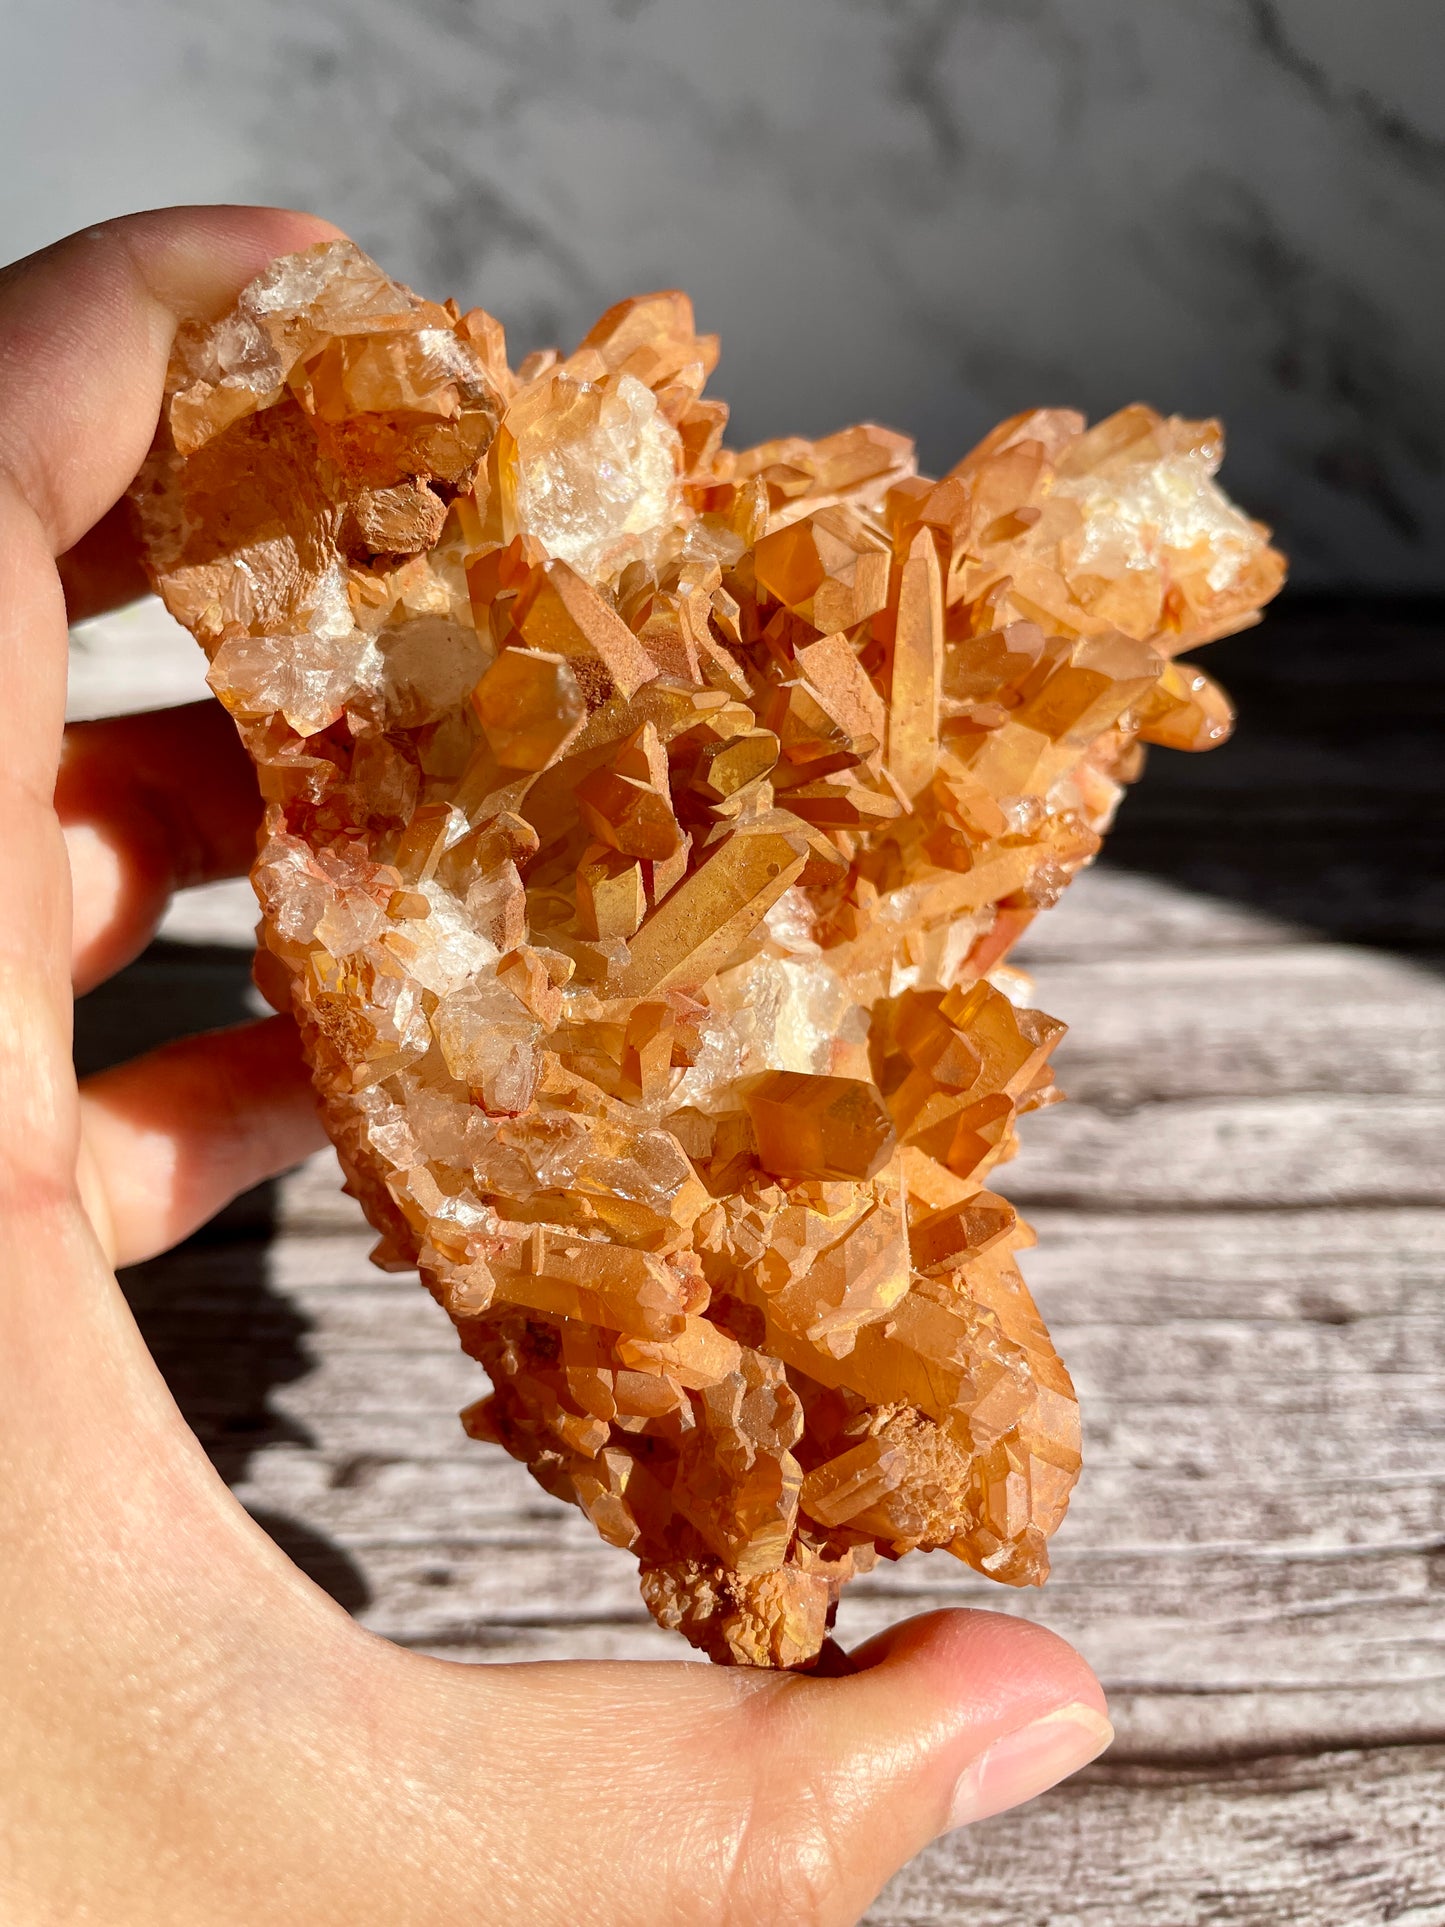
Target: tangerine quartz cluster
646	826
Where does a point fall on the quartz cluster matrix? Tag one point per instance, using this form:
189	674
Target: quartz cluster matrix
646	827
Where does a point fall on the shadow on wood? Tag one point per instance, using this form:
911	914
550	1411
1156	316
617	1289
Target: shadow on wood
223	1339
1240	1256
1326	808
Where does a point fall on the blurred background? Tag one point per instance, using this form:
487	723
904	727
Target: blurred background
930	212
934	213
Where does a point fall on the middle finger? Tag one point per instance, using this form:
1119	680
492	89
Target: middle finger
148	804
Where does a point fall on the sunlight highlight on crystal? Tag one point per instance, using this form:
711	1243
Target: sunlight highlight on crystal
647	824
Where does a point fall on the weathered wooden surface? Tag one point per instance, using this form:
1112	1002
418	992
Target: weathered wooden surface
1241	1219
1334	1840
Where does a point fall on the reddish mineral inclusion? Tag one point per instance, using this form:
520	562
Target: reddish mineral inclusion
646	826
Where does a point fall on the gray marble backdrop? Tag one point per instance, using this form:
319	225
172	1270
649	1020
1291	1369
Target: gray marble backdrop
930	212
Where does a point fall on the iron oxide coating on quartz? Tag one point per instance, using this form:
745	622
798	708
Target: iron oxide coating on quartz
647	824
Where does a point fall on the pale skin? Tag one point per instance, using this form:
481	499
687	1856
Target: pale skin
190	1731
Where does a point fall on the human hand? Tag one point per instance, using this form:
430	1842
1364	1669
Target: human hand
190	1731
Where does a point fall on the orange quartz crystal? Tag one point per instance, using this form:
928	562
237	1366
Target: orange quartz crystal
645	823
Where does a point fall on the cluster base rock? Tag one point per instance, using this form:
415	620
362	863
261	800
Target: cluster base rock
646	827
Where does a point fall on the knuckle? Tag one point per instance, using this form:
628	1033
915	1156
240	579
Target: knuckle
784	1857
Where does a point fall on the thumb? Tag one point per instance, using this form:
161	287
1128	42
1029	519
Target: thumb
630	1795
745	1799
949	1718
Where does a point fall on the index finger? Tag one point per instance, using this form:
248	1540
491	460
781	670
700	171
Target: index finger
85	334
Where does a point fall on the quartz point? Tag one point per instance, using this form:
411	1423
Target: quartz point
646	827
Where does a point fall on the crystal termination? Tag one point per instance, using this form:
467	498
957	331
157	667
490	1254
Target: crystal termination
646	827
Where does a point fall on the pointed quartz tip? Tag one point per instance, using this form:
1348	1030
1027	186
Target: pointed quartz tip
810	1127
606	766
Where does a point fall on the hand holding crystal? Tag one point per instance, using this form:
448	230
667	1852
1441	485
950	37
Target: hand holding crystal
190	1731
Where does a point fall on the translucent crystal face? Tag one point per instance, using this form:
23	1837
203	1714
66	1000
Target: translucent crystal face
646	827
598	477
1151	505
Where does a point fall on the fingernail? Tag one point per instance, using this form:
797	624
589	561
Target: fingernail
1030	1761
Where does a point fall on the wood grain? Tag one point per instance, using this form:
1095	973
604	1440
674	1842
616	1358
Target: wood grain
1317	1841
1241	1218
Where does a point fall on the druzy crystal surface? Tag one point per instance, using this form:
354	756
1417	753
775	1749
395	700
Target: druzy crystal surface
647	824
